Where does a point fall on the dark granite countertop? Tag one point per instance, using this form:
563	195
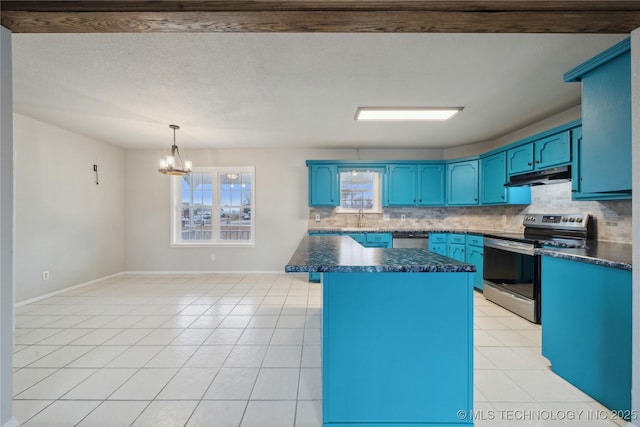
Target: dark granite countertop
606	254
343	254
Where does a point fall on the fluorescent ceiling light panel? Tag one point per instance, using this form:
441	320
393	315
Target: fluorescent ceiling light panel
392	113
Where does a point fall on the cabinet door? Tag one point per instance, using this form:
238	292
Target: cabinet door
553	150
606	127
401	185
323	185
520	159
456	251
439	248
462	183
494	175
431	185
475	256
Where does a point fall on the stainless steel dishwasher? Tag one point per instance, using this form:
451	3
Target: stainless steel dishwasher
409	239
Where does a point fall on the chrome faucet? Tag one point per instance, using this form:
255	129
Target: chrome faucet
360	217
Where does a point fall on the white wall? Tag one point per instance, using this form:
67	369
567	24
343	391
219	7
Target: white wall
65	223
280	216
6	230
635	137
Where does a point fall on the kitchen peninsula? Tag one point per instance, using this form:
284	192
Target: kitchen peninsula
397	333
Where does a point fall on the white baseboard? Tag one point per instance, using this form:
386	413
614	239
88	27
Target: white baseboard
13	422
205	272
63	290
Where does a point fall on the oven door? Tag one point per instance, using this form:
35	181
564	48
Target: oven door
511	273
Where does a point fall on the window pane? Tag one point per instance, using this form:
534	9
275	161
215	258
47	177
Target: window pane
235	201
195	221
359	190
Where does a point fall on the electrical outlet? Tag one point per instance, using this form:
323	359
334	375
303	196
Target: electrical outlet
317	217
45	275
403	217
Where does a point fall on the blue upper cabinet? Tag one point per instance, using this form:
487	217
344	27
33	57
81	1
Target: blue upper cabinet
462	183
520	159
401	185
605	149
493	175
549	151
323	185
554	150
421	184
431	184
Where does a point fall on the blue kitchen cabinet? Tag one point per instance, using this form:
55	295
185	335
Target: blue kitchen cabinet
462	183
493	172
378	240
420	184
438	243
397	349
475	256
554	150
323	185
576	174
520	159
401	185
586	313
431	184
456	244
605	149
493	176
546	152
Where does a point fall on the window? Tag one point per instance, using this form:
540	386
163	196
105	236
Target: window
359	189
214	206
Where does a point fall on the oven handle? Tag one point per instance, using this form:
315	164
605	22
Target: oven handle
509	246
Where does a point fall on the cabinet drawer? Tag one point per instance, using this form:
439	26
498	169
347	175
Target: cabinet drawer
459	239
358	237
475	240
437	238
378	238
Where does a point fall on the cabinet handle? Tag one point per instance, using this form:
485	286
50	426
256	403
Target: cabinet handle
529	164
502	197
574	191
537	161
414	200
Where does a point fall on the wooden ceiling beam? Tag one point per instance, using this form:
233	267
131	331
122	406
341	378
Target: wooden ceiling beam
439	16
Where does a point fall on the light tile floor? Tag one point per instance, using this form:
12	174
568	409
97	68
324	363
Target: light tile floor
238	350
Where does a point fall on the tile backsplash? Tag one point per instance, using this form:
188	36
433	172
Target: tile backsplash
612	218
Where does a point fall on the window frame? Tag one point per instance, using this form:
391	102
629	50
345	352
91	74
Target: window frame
176	240
378	182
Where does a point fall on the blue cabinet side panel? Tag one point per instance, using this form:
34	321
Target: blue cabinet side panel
397	348
606	127
586	333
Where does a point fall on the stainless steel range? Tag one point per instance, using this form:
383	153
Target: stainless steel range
512	275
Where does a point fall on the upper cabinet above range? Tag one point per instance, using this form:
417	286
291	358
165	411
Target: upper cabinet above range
604	151
553	150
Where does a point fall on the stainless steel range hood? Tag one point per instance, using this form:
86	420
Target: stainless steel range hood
546	176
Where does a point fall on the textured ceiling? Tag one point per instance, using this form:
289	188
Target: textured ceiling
294	90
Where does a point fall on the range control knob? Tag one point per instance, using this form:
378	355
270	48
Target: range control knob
572	219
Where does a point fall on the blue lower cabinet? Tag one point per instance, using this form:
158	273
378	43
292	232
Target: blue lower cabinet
475	256
456	247
438	243
397	349
586	332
